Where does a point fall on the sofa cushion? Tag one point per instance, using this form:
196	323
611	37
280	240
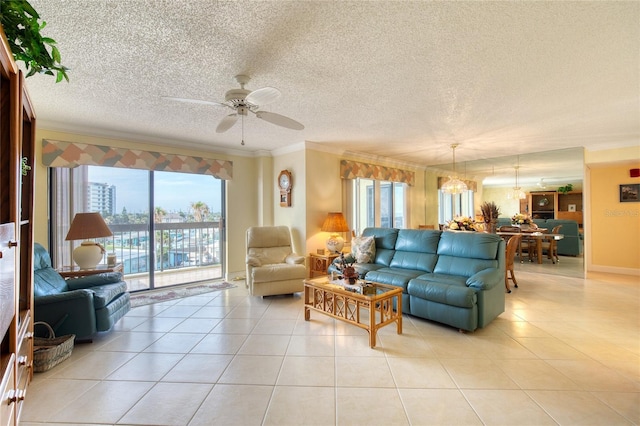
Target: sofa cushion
385	243
47	281
466	253
363	249
393	276
449	294
471	245
418	241
416	249
104	294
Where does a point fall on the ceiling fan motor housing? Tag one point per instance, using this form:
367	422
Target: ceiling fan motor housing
236	98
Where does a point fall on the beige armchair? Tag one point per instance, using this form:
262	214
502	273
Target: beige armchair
272	267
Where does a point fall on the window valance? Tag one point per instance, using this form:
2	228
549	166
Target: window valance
354	169
472	185
73	154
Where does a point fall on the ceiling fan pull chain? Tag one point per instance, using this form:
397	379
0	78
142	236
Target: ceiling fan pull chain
242	123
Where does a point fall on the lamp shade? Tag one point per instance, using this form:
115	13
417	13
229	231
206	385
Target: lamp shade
334	223
86	226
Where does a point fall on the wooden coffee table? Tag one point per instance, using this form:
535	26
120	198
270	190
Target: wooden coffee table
336	301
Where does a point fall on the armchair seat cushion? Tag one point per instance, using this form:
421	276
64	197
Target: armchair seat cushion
278	272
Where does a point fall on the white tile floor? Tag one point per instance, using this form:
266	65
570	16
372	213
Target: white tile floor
566	351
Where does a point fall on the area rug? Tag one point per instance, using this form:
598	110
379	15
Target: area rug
163	295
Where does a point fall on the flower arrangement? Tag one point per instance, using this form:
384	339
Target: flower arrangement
520	219
347	270
462	223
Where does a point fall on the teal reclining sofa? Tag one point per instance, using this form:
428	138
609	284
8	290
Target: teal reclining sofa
455	278
80	306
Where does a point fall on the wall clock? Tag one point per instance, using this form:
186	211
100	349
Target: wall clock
285	183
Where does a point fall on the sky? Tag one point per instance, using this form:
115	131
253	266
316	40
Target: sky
173	191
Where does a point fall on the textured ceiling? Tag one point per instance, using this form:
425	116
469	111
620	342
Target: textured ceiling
401	80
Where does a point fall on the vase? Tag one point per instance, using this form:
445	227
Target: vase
491	226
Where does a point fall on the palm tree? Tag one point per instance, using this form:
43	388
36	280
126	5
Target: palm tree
159	214
200	211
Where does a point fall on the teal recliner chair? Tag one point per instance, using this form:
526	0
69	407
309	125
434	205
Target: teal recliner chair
80	306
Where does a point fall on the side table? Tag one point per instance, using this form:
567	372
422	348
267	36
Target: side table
319	263
76	272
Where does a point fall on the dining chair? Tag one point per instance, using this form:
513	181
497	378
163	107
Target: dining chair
551	246
508	228
512	246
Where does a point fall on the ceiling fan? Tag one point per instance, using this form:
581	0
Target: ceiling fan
243	102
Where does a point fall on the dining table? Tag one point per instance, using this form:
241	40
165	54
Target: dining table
539	235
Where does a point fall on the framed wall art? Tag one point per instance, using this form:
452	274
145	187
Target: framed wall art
629	193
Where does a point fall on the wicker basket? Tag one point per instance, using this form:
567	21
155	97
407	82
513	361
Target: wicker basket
51	351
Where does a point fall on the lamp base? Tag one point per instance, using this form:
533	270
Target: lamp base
88	254
335	243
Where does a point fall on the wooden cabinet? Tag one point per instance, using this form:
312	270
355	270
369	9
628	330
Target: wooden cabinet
543	204
554	205
570	206
17	141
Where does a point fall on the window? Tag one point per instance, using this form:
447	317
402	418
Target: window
167	226
377	203
454	205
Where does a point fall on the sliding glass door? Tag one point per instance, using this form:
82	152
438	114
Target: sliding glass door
167	226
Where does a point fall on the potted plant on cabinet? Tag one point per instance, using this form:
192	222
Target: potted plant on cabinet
21	25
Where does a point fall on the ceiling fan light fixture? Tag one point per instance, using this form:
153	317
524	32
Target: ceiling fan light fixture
454	185
541	184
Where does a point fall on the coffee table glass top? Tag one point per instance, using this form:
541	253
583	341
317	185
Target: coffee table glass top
361	287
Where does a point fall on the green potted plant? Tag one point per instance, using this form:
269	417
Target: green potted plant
564	189
21	25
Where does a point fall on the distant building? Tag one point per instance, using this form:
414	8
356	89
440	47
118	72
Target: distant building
101	197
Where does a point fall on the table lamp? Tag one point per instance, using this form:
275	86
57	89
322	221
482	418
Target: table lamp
86	226
335	223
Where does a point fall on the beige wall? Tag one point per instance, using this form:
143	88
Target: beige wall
294	217
612	228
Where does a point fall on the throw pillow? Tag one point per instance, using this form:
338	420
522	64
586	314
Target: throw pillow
363	249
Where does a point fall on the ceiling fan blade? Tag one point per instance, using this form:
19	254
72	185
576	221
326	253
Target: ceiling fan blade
263	96
279	120
194	101
227	123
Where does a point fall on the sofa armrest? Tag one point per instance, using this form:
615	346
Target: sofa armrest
253	261
486	279
89	281
73	296
294	259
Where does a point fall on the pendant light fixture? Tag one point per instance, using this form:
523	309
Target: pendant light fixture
517	193
454	185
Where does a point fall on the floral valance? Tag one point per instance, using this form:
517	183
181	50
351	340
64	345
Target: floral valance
354	169
72	154
472	185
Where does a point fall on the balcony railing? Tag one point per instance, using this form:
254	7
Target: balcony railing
177	245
